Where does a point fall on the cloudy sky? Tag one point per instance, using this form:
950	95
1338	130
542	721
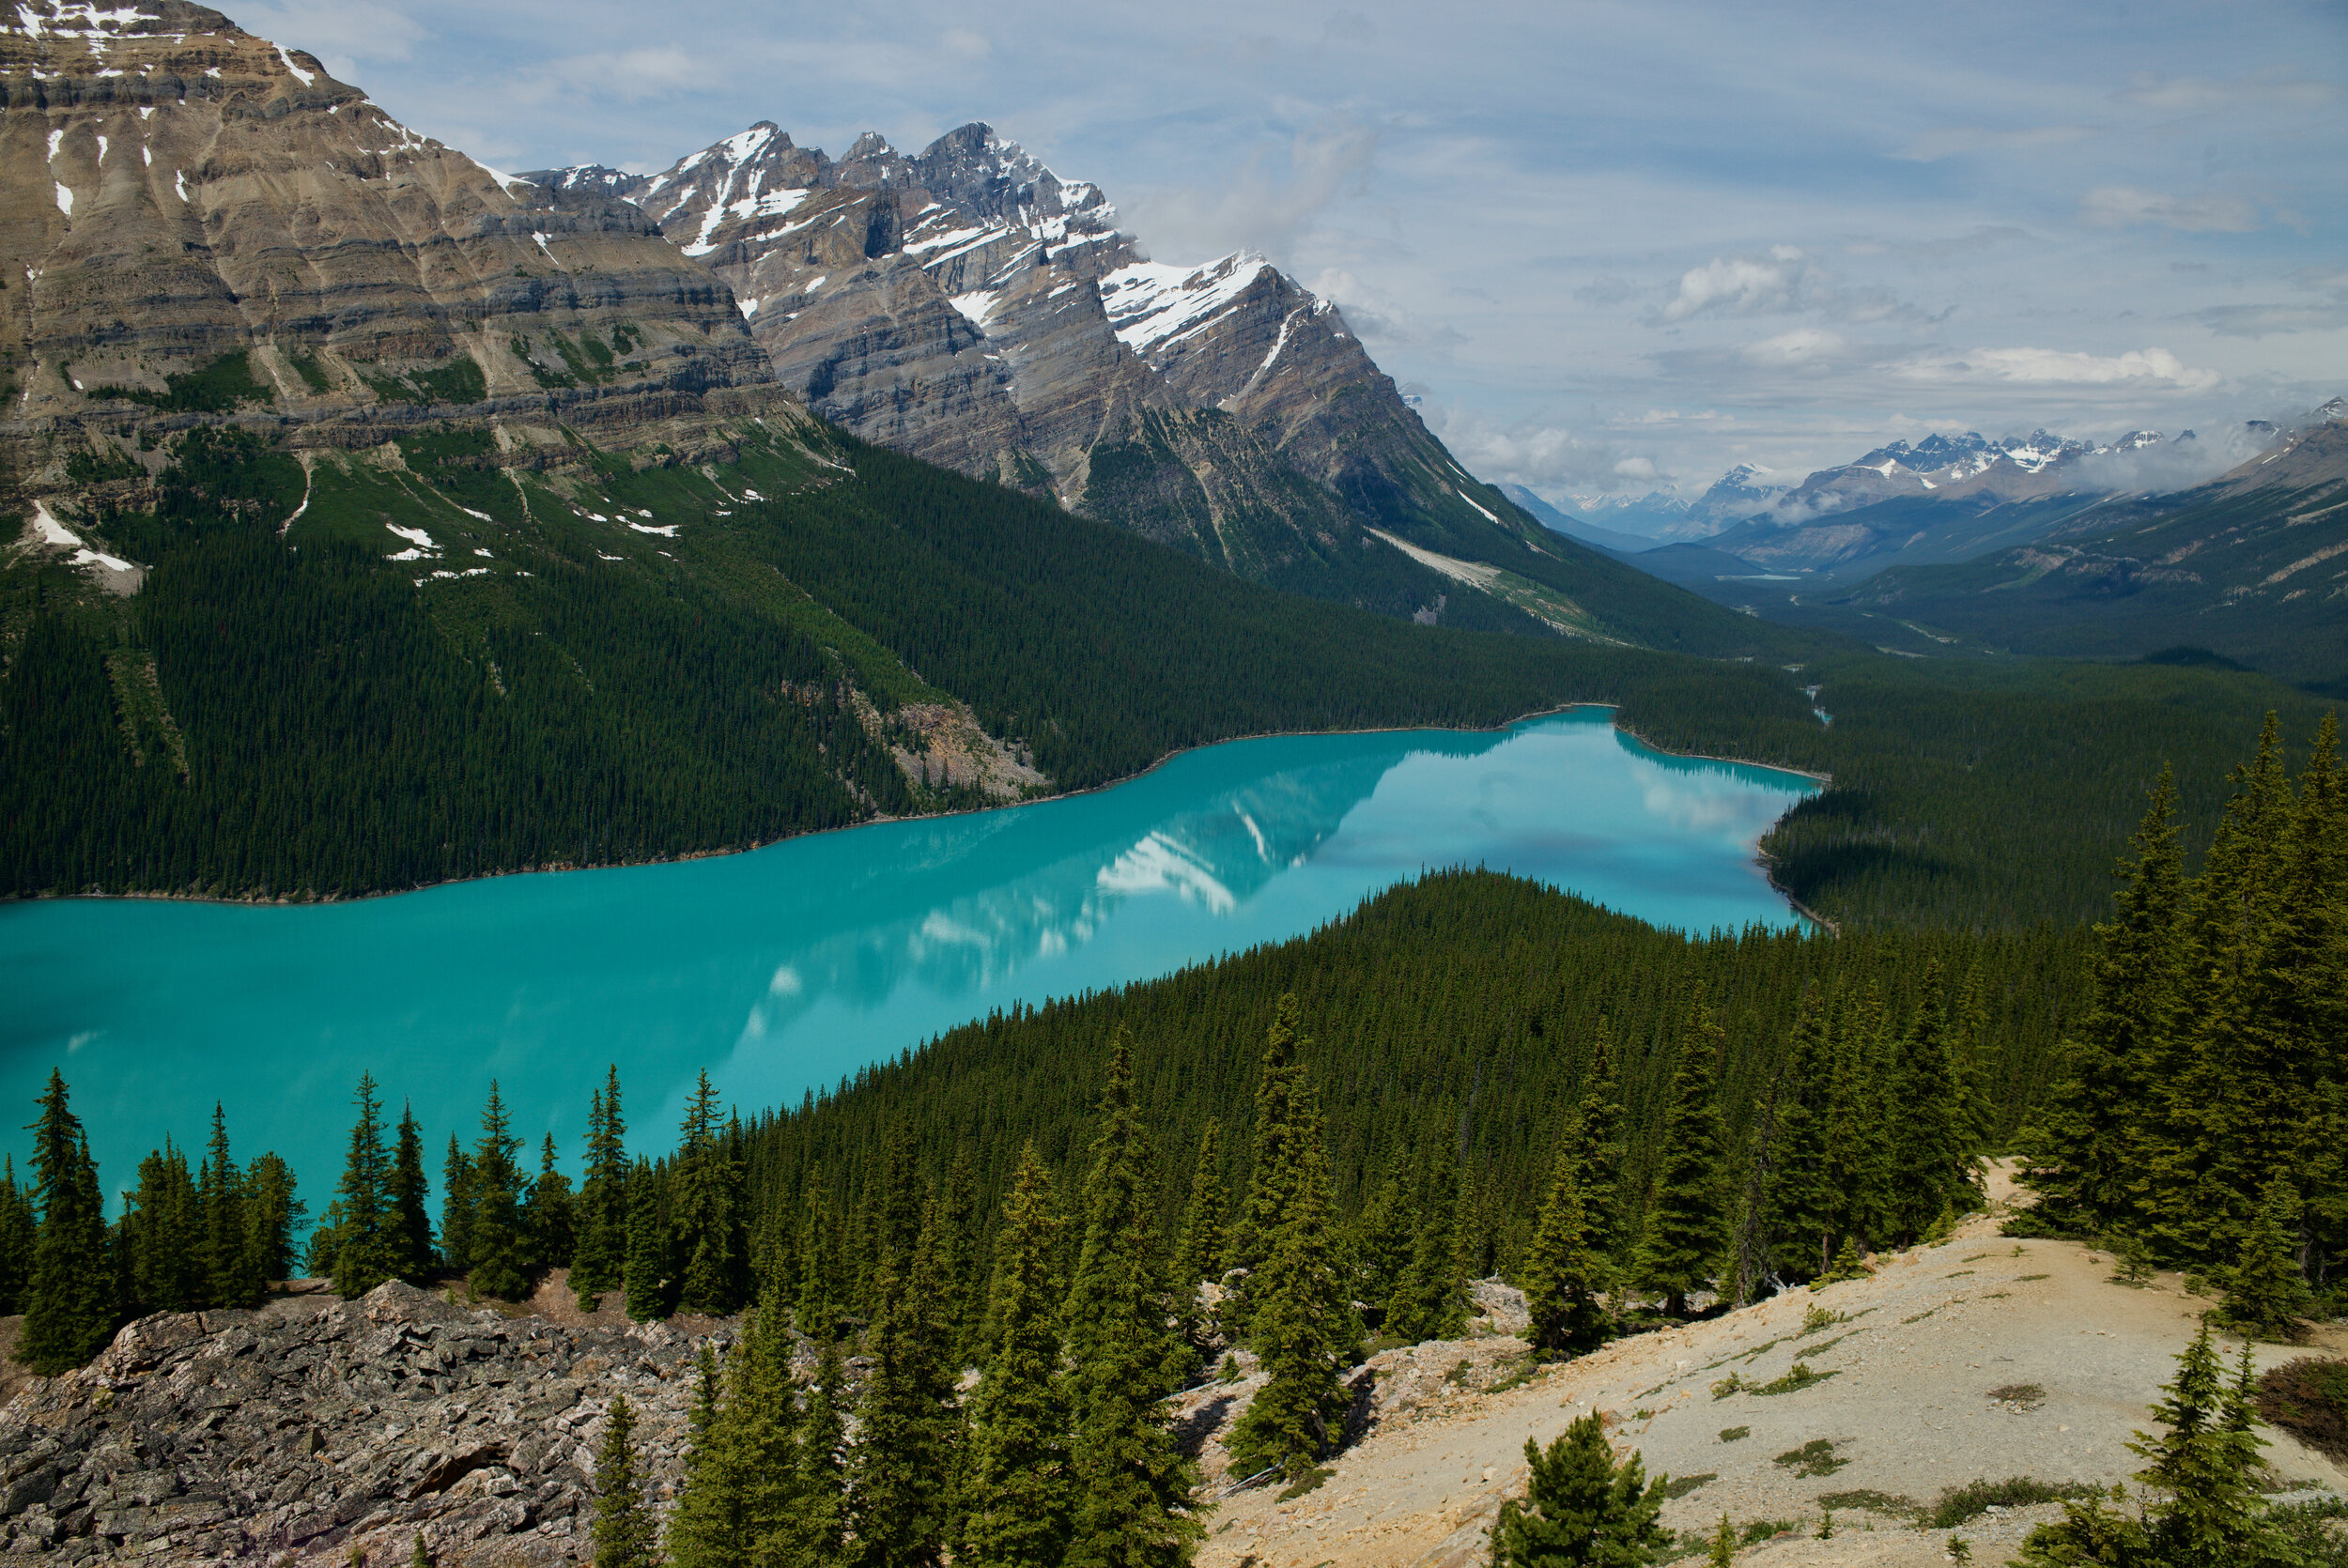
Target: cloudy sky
1612	246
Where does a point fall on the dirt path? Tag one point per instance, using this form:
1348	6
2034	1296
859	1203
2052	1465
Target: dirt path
1908	1405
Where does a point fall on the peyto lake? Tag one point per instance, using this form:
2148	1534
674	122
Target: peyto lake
781	969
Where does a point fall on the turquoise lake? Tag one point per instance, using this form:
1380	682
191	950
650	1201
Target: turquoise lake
781	969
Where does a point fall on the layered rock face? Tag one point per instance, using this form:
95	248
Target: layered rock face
969	306
177	193
322	1428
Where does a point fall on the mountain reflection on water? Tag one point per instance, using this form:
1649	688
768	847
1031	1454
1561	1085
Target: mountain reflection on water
782	970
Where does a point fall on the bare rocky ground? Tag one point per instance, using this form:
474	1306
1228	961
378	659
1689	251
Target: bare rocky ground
318	1430
1909	1405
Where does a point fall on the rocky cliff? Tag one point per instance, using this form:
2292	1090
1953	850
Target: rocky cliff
967	305
193	220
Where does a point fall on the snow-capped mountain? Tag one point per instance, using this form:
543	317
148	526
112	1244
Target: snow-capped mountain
1668	516
967	304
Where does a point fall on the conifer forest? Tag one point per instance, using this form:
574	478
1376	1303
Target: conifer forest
1029	1232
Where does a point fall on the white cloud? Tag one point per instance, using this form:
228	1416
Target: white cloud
1803	346
2053	367
1636	468
1259	208
2208	212
2188	94
1743	284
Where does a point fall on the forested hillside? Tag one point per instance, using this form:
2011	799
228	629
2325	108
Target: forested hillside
350	673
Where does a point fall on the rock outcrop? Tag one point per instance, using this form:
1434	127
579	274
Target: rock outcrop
319	1428
193	220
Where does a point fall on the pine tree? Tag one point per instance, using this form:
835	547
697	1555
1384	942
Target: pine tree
820	1293
624	1533
908	1440
739	1500
599	1262
408	1222
69	1311
272	1217
496	1254
549	1220
960	1290
1134	1485
1580	1507
229	1279
712	1243
362	1253
1302	1324
160	1239
1430	1302
1561	1273
1275	1163
2267	1296
1022	1490
1723	1546
1380	1240
18	1240
2207	1462
649	1272
1932	1169
456	1205
1598	1156
1199	1252
823	1524
1687	1224
1797	1215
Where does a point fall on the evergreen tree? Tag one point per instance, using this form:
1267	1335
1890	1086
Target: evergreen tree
1430	1302
18	1239
272	1216
625	1532
822	1526
1687	1224
229	1279
907	1444
1381	1242
548	1219
738	1502
1931	1169
1561	1272
599	1261
1134	1485
712	1220
69	1310
1022	1491
1198	1251
1275	1162
496	1253
408	1222
820	1291
160	1239
2267	1296
960	1290
456	1205
1580	1507
363	1253
648	1268
1598	1153
1302	1324
1797	1216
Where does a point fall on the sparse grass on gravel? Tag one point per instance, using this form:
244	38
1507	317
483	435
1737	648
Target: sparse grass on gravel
1800	1377
1680	1486
1735	1434
1963	1504
1815	1457
1870	1499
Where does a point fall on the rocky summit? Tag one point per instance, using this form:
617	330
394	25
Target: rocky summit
196	221
969	306
318	1428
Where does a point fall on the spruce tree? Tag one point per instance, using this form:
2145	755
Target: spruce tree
961	1293
2267	1296
160	1237
69	1310
2208	1462
1134	1485
1687	1223
229	1279
624	1533
496	1254
1380	1242
272	1216
18	1240
1022	1492
457	1205
1274	1161
549	1218
821	1297
739	1500
1561	1273
822	1524
1580	1507
710	1213
1598	1156
1430	1301
1301	1321
408	1221
649	1271
1797	1215
1931	1169
908	1440
599	1262
1198	1251
363	1253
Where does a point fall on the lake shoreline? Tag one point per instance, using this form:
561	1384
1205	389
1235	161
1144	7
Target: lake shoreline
560	867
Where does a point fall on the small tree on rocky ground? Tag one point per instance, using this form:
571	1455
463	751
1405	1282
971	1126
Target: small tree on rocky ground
1582	1508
